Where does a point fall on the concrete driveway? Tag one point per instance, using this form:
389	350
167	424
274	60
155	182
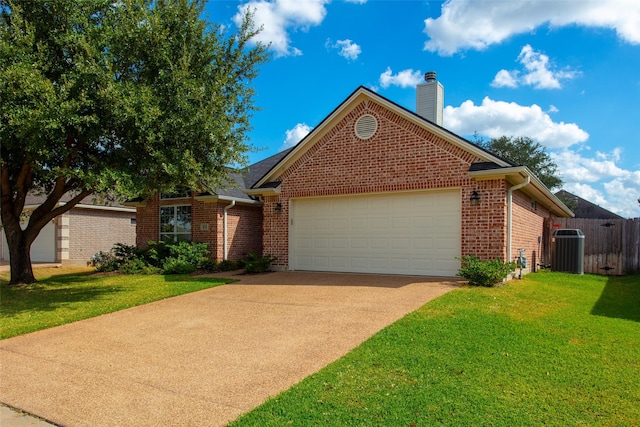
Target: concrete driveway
203	358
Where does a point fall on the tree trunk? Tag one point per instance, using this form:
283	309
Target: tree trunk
20	256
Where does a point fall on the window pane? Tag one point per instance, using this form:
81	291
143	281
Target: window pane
175	223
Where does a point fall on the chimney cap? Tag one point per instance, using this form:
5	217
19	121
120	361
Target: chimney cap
430	76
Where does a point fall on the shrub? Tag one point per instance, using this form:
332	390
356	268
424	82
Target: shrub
126	252
137	266
254	264
227	265
177	266
105	262
484	273
209	265
156	253
192	253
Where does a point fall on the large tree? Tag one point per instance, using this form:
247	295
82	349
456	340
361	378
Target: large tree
115	98
524	151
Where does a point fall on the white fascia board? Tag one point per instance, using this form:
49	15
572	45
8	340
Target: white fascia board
271	191
214	198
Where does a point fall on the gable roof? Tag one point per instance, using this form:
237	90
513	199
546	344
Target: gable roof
491	166
240	181
585	209
339	112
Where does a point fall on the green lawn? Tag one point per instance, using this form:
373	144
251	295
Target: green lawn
552	349
57	298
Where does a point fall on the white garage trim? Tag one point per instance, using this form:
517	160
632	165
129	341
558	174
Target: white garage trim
415	233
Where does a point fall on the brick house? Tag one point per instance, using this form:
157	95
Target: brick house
75	236
374	188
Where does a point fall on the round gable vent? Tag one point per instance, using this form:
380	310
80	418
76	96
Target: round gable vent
366	126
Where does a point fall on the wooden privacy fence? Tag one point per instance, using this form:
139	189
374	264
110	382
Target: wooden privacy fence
611	246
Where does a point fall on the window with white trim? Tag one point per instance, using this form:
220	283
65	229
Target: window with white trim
175	223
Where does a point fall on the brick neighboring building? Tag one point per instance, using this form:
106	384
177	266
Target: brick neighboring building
375	188
77	235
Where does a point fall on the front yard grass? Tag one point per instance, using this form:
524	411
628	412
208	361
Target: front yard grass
59	298
553	349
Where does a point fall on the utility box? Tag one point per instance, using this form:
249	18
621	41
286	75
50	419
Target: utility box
567	251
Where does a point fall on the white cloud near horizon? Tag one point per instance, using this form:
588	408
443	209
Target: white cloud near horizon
596	177
619	188
346	48
295	135
405	78
472	24
537	72
277	17
497	118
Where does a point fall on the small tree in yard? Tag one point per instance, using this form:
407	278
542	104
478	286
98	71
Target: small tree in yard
119	98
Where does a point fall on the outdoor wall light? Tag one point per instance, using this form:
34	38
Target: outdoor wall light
475	198
278	207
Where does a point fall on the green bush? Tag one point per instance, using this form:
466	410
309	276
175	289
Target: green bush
190	252
137	266
255	264
156	253
209	265
177	266
484	273
227	265
105	262
126	252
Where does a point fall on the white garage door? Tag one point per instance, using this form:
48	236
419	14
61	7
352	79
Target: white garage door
402	233
43	249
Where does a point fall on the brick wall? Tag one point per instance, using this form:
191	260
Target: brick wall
93	230
527	226
243	225
400	156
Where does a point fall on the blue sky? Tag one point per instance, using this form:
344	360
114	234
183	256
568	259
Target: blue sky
565	73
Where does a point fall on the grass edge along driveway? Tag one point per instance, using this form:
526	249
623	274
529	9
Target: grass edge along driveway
57	299
552	349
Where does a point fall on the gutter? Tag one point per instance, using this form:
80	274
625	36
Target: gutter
225	249
510	212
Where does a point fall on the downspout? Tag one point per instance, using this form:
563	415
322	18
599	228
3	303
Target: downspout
225	233
510	213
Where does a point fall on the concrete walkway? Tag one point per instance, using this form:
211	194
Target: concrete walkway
203	358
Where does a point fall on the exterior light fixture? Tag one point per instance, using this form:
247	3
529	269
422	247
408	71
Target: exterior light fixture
278	207
475	198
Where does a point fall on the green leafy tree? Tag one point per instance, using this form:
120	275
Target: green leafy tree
115	98
524	151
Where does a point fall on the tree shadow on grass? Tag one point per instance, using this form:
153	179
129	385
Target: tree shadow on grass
52	293
620	298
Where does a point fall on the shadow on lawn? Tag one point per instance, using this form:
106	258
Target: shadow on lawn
620	298
50	294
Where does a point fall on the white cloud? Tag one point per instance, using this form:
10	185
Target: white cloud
600	180
295	135
536	72
498	118
347	48
404	78
472	24
277	17
505	78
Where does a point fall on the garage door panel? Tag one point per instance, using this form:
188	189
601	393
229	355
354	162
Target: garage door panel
407	233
